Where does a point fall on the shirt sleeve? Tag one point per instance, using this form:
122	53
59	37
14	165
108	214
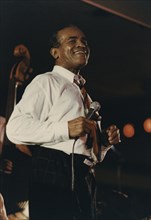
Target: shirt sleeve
29	122
104	151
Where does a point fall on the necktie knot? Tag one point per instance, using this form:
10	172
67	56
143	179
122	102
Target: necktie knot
79	80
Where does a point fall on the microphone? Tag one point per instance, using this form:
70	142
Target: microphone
94	107
102	136
92	113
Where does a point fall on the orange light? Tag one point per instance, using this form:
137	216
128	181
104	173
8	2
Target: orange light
128	130
147	125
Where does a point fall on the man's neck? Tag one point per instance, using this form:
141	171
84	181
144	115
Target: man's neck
71	69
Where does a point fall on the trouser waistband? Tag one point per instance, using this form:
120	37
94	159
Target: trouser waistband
42	153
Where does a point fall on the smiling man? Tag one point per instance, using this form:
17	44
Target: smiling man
51	117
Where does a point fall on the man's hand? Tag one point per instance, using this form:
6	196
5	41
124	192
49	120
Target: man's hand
6	166
80	126
113	135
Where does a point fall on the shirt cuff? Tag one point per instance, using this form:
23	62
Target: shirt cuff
61	131
104	150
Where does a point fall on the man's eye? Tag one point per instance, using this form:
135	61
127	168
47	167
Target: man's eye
72	41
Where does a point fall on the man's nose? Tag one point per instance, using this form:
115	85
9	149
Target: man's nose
80	43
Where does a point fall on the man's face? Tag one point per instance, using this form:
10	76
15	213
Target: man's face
73	52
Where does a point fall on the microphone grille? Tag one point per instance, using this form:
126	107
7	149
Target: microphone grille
95	105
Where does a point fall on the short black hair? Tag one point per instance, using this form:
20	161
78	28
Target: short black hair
53	42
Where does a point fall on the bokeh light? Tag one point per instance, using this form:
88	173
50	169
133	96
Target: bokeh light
147	125
128	130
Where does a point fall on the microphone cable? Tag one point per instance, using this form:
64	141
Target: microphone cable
72	166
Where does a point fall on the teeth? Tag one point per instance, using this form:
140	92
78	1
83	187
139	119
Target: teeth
79	52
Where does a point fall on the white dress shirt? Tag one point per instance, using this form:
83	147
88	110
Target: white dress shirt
41	117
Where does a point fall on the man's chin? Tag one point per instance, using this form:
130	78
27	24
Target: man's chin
82	64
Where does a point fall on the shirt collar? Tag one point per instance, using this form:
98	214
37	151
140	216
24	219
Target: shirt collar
68	74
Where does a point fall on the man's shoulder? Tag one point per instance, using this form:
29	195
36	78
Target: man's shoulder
43	76
48	79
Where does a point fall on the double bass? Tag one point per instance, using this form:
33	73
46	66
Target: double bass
19	73
14	187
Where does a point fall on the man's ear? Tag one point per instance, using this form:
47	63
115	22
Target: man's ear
54	53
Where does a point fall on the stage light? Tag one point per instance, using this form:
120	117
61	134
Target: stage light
128	130
147	125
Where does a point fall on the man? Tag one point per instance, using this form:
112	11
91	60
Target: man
51	117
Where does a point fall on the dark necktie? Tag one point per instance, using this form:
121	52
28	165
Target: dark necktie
80	81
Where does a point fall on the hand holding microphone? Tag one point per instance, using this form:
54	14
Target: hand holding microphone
84	125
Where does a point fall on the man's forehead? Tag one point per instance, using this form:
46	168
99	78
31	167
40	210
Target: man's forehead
70	32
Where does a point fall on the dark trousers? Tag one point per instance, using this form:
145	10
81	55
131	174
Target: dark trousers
51	197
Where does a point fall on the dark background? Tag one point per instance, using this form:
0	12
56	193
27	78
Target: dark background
118	76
